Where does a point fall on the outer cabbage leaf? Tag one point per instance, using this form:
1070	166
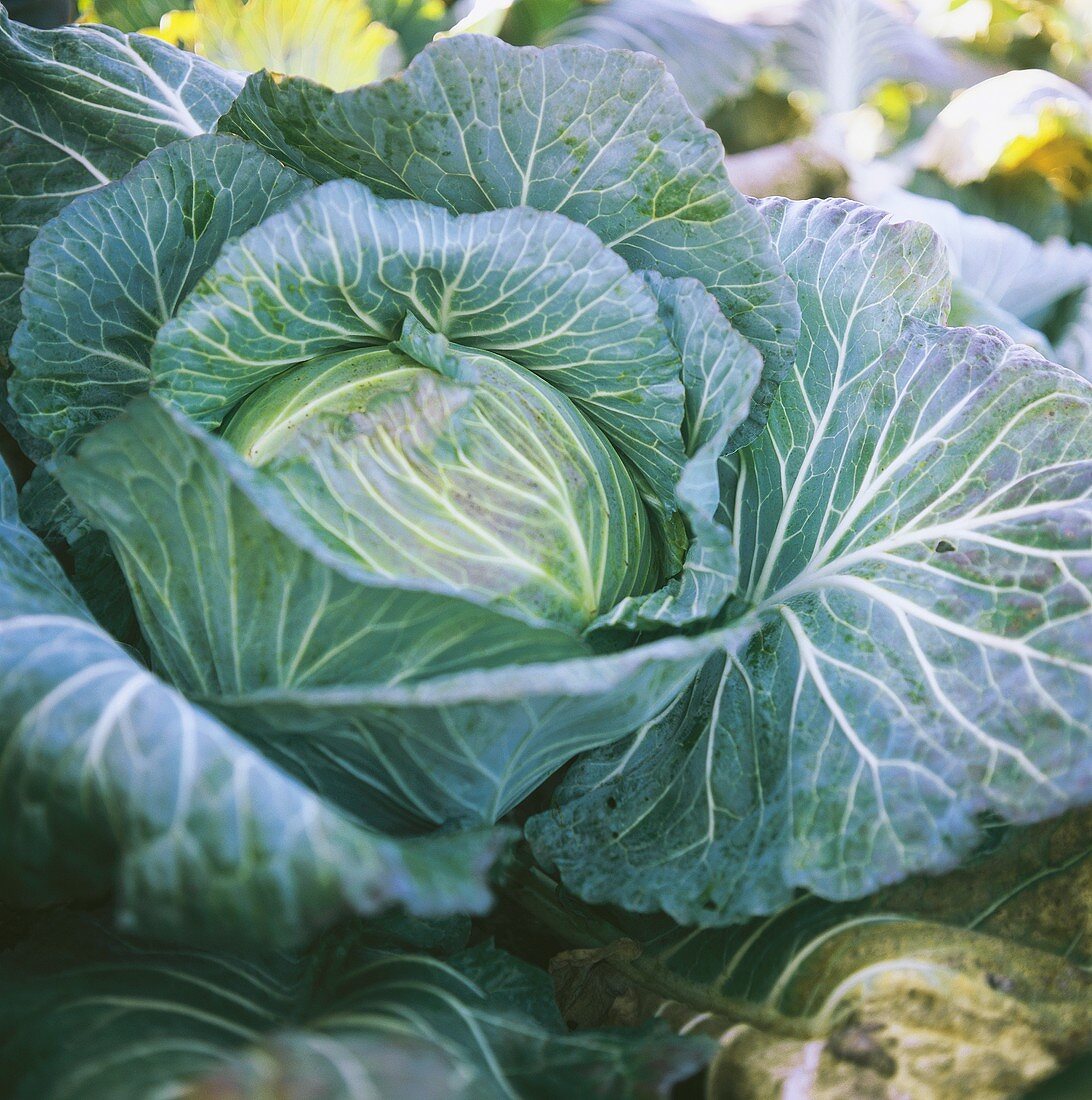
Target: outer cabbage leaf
474	745
110	270
95	574
90	1014
46	510
79	107
602	137
342	268
111	780
974	983
444	707
914	529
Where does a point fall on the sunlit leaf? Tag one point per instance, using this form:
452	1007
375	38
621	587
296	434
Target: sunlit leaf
113	784
336	42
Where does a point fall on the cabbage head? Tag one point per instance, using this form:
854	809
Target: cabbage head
404	448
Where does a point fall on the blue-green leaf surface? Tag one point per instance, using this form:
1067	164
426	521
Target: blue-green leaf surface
234	592
601	136
915	529
111	782
110	270
92	1015
342	268
80	106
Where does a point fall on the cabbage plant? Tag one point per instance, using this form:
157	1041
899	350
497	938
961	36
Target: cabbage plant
404	452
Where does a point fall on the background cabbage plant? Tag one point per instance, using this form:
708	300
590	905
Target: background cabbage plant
459	458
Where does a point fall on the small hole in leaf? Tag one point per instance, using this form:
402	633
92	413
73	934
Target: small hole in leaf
612	803
944	547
